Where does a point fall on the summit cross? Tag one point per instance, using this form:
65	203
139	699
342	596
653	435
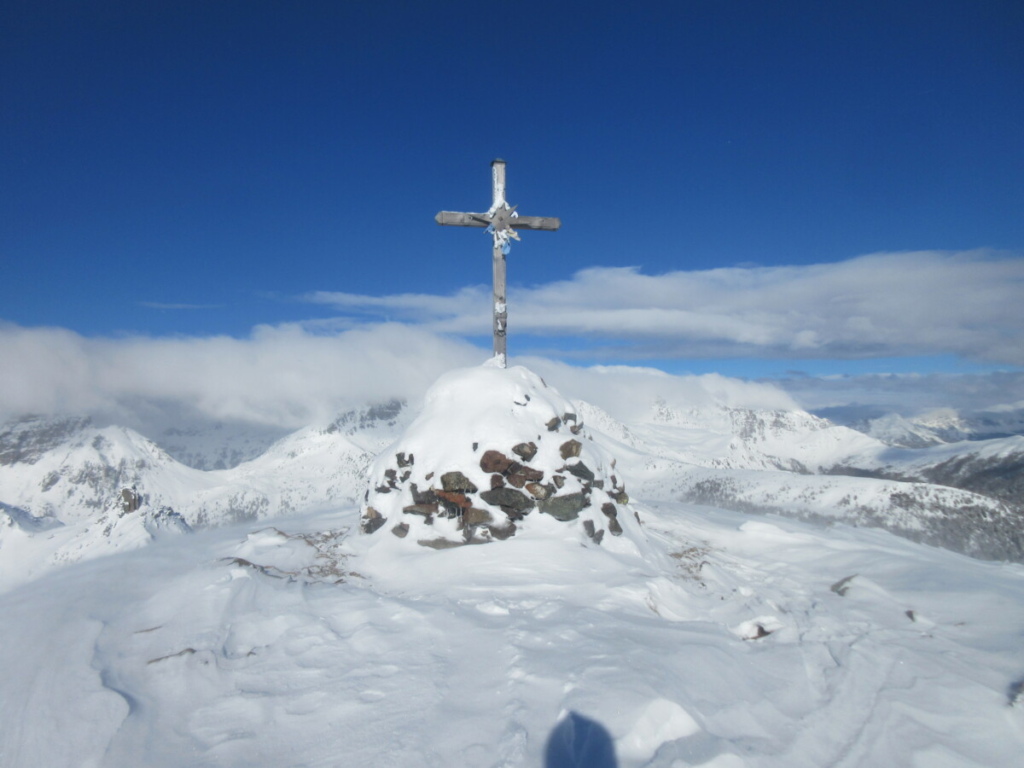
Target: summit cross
502	221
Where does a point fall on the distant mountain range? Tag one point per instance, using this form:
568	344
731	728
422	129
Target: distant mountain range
71	490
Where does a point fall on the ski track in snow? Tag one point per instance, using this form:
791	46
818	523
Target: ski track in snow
178	655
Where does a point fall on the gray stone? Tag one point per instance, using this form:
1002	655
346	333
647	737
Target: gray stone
456	481
474	516
595	535
129	500
502	532
554	424
609	510
843	585
372	520
614	528
582	471
426	510
525	451
564	508
422	497
439	543
539	491
372	526
401	530
508	499
404	461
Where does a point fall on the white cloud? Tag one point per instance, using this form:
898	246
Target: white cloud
920	304
628	392
880	305
283	376
910	394
288	377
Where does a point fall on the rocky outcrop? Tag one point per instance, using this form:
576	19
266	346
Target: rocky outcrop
468	478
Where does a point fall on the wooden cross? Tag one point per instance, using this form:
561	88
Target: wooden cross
502	221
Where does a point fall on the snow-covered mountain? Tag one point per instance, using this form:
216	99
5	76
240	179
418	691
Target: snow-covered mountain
99	489
430	632
933	427
798	465
96	490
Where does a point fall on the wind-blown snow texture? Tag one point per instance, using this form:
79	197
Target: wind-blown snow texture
700	637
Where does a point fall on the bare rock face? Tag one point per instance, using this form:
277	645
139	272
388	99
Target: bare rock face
493	452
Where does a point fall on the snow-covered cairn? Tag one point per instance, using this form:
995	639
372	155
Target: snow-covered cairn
495	452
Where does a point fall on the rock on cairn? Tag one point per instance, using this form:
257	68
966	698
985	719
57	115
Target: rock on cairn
493	452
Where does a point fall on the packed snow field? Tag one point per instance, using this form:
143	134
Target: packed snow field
239	617
248	645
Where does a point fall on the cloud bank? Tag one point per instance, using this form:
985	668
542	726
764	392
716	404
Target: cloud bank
881	305
282	376
288	377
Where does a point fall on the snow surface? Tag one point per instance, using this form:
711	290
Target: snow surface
187	653
698	637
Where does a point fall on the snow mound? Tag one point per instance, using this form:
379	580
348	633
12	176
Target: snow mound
496	452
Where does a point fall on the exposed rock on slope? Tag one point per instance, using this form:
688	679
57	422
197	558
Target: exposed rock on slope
493	452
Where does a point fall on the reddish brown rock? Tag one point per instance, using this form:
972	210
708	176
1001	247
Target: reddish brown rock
495	461
529	474
455	498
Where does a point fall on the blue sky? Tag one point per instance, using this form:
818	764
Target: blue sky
202	169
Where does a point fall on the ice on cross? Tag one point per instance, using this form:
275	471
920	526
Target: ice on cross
501	220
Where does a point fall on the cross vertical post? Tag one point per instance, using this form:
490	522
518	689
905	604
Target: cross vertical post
500	308
502	222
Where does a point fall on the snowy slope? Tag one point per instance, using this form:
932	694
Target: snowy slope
729	647
691	636
762	462
63	493
62	480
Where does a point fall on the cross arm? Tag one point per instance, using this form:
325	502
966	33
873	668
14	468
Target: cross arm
455	219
